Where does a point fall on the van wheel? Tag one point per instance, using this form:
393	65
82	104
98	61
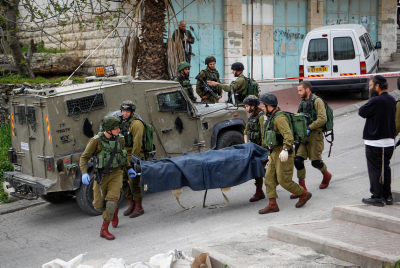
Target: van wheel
229	138
56	197
365	94
84	198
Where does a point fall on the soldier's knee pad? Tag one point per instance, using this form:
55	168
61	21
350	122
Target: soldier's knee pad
111	206
299	162
99	209
317	164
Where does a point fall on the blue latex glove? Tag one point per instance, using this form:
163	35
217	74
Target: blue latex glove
132	173
85	178
308	132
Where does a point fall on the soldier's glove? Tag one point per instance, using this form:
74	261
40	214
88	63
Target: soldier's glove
85	179
132	173
283	156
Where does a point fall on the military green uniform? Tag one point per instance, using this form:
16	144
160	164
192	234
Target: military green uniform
315	146
254	130
111	184
133	131
239	86
397	117
182	35
279	172
186	85
208	75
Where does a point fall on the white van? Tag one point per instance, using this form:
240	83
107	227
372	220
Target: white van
339	51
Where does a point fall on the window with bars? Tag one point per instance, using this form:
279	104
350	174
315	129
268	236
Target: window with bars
84	104
172	102
24	114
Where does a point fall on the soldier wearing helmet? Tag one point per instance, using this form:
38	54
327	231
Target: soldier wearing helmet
102	146
183	79
209	74
253	133
239	85
279	139
132	129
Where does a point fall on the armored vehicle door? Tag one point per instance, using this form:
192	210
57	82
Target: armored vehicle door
31	138
172	120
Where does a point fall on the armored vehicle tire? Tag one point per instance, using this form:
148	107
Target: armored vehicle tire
229	138
56	197
84	198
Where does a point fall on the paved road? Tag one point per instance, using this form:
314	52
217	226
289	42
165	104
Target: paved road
36	235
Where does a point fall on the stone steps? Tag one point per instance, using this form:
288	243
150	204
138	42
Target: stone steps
364	235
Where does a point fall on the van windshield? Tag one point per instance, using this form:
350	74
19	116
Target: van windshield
318	50
343	48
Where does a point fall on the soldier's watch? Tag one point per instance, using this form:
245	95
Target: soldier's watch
285	149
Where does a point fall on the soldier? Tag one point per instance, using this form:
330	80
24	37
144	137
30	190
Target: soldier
315	110
253	133
209	74
281	158
239	84
132	129
187	40
102	145
183	79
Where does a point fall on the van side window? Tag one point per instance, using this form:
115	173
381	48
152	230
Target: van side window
318	50
364	46
369	42
343	48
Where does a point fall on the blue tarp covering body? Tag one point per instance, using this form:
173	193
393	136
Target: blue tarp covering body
202	171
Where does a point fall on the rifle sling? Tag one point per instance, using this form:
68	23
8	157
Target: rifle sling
105	171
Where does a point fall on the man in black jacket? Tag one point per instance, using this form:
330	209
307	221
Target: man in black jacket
378	135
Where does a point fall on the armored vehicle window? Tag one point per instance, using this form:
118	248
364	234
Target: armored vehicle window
83	104
172	102
19	112
30	115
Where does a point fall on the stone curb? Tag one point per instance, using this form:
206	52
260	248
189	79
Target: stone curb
333	247
359	215
19	205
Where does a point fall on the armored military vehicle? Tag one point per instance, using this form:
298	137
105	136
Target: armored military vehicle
51	127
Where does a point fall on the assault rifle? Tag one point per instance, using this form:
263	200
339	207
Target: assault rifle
96	174
206	87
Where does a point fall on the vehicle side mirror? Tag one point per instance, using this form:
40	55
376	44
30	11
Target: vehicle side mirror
378	45
233	95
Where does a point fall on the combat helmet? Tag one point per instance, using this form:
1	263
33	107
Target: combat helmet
182	65
269	99
128	106
251	100
210	59
237	66
110	123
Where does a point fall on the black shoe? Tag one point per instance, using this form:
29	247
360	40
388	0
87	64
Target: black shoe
389	200
373	201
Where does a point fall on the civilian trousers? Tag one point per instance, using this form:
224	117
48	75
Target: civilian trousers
378	163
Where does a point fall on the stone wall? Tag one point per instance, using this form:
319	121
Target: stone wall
82	40
315	14
387	29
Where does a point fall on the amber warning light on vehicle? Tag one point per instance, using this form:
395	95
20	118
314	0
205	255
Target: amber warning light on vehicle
107	71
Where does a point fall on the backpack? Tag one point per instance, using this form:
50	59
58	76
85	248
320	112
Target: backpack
327	129
147	145
297	124
252	88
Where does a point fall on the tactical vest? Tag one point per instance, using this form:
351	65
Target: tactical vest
185	83
106	151
254	129
271	137
307	107
125	131
212	76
